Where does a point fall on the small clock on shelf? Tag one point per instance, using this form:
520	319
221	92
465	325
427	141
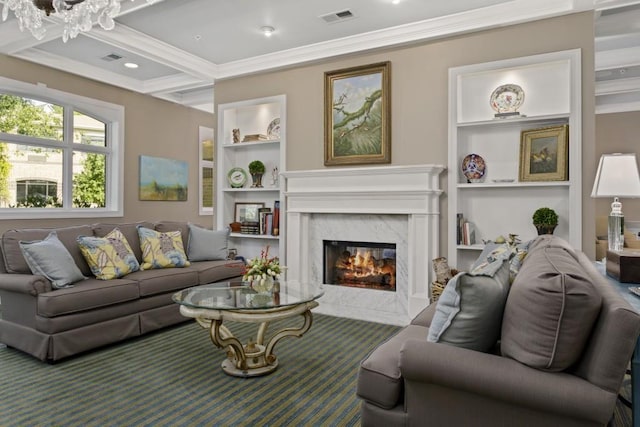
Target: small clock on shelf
237	177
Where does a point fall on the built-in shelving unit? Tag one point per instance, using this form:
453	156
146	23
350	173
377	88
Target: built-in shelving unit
251	117
552	87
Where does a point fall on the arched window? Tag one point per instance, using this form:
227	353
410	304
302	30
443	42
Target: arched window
72	144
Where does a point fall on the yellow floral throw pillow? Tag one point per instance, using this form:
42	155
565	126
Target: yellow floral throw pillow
109	257
161	250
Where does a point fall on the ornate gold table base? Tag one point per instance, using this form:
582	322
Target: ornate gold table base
256	357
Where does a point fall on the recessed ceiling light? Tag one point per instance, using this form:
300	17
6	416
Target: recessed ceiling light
267	30
130	65
395	1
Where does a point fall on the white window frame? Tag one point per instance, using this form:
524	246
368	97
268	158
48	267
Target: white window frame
111	114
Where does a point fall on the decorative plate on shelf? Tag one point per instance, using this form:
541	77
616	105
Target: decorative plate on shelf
237	177
273	131
473	167
506	99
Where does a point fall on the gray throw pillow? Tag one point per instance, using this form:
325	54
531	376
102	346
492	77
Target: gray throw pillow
469	311
550	311
51	259
207	245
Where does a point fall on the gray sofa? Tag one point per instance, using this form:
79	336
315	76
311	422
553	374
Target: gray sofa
51	324
409	380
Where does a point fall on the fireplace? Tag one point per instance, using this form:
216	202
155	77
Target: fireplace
360	264
398	205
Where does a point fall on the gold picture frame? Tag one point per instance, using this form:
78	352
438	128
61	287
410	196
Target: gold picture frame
544	154
357	115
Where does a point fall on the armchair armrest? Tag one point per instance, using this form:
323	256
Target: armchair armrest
503	379
24	283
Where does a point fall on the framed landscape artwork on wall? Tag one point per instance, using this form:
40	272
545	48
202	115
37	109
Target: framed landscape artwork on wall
163	179
357	115
544	154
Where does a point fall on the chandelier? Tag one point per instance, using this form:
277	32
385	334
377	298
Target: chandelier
77	15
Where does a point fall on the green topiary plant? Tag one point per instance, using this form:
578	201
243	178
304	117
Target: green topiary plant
256	167
545	220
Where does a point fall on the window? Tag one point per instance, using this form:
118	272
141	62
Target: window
206	170
36	192
60	154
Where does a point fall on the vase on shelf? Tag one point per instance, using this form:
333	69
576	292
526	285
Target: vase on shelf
545	229
257	180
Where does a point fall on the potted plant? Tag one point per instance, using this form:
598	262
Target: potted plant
256	169
545	220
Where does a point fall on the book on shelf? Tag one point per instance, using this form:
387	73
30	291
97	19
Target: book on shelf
468	233
275	230
459	224
255	137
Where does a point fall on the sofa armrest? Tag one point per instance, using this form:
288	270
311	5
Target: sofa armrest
503	379
25	283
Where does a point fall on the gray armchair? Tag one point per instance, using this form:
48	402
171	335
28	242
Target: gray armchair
409	381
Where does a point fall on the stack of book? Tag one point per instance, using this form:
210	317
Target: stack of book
250	227
266	220
255	137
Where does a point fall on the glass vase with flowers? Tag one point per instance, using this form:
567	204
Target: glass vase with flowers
262	272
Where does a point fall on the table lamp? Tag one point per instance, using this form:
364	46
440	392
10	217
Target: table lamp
617	176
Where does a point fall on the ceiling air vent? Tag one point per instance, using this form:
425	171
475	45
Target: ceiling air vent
111	57
333	17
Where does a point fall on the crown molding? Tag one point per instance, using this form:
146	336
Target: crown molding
510	13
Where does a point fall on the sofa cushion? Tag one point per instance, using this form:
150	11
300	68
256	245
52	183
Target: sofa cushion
161	250
49	258
14	259
379	376
550	310
158	281
129	230
91	295
109	257
217	271
469	311
207	245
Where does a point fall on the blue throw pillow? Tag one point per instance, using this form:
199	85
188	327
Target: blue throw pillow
51	259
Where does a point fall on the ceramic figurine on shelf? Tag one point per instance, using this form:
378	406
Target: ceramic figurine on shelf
236	135
274	177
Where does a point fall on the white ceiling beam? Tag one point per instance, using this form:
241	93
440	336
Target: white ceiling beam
80	68
155	50
175	82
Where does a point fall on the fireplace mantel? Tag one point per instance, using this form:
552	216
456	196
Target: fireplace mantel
412	191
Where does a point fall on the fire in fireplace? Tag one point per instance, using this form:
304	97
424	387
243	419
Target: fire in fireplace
360	264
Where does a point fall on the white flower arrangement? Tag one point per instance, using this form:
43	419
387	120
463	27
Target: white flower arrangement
263	267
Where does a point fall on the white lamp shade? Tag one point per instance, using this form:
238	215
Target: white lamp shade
617	176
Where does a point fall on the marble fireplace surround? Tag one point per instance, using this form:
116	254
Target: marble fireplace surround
389	204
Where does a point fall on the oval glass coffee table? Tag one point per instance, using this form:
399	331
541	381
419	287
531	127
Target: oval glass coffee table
212	304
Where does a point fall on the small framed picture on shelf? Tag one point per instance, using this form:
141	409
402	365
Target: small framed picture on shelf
247	211
544	154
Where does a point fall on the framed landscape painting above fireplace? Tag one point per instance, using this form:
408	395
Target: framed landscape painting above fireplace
357	103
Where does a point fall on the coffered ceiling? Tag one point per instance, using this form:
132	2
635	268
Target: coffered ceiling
183	46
